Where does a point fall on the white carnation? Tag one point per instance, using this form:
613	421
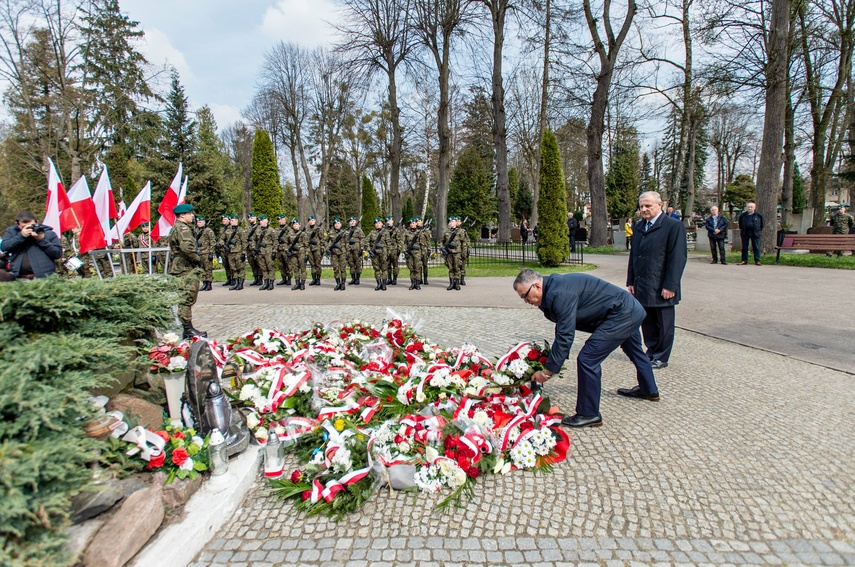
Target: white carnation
188	465
518	367
252	421
171	338
249	392
177	363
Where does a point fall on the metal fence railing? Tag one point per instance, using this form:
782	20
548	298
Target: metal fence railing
110	262
519	253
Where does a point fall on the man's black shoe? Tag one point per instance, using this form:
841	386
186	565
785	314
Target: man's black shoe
657	364
582	421
635	392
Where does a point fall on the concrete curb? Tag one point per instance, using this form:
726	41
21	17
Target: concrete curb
204	515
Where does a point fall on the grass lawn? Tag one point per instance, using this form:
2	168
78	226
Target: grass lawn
803	260
477	268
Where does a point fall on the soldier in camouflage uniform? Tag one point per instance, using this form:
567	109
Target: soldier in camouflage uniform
70	247
265	251
282	250
144	241
376	243
205	243
251	256
355	237
184	264
235	247
160	257
338	254
413	254
130	262
224	258
316	249
464	253
452	247
840	224
425	243
394	252
298	246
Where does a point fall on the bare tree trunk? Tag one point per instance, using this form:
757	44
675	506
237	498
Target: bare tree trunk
443	130
769	168
789	161
608	57
397	144
544	97
690	172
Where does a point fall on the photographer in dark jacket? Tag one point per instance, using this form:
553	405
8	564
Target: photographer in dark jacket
32	247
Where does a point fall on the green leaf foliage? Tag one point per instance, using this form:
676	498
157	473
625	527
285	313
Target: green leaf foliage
741	191
553	242
370	205
267	196
59	340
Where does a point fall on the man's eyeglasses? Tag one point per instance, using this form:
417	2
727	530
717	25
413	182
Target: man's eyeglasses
524	297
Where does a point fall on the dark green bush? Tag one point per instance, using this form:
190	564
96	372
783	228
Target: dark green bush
59	340
553	242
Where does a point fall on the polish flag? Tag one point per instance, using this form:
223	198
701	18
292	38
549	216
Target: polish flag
122	209
182	196
57	203
170	200
91	232
105	205
138	212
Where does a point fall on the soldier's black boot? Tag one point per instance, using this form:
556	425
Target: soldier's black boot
394	280
358	277
190	332
450	284
209	286
303	285
316	279
270	285
412	283
383	284
255	281
340	283
235	283
462	281
281	282
296	285
240	283
263	286
457	285
229	282
377	287
419	283
424	280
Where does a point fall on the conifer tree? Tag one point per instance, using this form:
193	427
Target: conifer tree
469	193
290	200
553	242
207	189
266	192
370	205
623	178
342	192
513	188
799	196
409	210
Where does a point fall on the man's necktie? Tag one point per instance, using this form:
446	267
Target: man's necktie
647	227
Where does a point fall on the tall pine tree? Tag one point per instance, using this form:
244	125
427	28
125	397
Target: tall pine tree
623	178
553	242
469	193
266	192
370	205
208	190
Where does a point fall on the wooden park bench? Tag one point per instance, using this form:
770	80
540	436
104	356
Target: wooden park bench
816	243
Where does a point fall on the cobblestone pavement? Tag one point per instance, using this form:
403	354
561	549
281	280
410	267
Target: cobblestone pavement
748	458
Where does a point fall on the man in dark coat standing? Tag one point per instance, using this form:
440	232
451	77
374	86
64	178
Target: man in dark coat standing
586	303
716	226
750	229
32	247
656	262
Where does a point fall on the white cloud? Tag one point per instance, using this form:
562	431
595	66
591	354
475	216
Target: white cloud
301	21
159	50
225	115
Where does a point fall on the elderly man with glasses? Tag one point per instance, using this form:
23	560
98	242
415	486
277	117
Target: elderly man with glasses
612	316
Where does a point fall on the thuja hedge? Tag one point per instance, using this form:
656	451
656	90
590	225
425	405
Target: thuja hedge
60	339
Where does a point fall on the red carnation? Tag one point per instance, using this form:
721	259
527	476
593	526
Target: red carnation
179	456
296	476
542	360
163	435
513	356
533	355
157	461
398	439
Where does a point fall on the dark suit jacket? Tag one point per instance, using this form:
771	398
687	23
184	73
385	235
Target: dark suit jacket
745	226
585	303
720	223
656	261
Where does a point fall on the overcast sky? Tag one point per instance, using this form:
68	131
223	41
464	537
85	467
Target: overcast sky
218	45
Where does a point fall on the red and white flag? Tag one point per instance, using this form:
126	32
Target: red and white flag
182	196
122	209
57	203
138	212
170	200
91	232
105	205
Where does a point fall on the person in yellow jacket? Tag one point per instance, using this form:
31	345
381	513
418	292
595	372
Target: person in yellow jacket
627	228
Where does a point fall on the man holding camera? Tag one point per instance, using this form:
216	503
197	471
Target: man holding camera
32	247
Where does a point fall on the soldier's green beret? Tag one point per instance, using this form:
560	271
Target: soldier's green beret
311	217
282	216
412	219
200	219
841	207
183	208
232	217
262	217
251	214
295	221
418	219
144	225
388	217
351	218
378	219
225	216
335	220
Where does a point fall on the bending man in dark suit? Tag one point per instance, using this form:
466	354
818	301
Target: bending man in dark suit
656	262
585	303
716	226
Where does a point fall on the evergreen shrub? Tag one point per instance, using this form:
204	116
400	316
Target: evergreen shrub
59	340
553	242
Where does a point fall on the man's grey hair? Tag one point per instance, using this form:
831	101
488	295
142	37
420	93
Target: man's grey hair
526	278
657	198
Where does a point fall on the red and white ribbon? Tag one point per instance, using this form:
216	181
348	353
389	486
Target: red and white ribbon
335	486
505	359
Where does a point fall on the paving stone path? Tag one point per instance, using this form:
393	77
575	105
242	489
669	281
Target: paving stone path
748	459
